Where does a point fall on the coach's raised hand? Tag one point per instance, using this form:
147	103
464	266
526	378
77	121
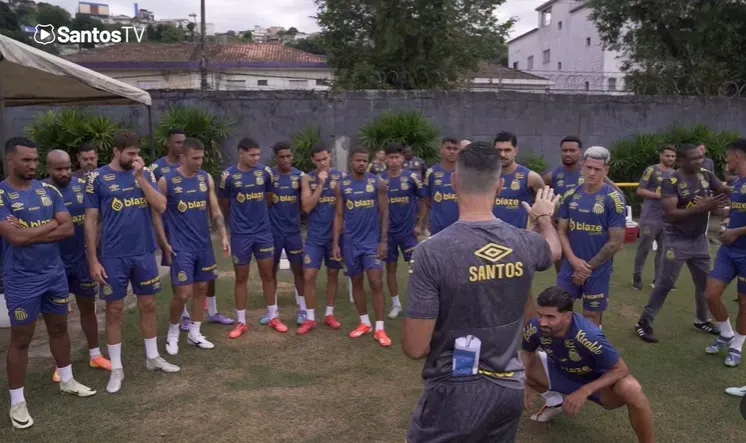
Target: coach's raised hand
540	216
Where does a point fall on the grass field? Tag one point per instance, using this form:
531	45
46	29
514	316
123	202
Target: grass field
325	387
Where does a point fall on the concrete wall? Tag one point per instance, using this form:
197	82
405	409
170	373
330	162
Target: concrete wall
540	121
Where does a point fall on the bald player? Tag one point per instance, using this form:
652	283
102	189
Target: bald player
72	251
463	144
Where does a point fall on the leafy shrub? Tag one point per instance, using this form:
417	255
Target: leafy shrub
409	128
302	142
534	162
200	124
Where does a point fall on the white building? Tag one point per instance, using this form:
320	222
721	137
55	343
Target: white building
566	49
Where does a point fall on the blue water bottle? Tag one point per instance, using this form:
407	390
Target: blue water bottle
466	356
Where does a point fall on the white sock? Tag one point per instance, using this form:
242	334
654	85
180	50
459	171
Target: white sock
115	355
16	396
329	310
212	306
194	329
272	311
297	296
364	319
737	342
66	373
185	313
395	301
311	314
93	353
173	329
151	348
379	326
726	330
302	303
552	398
241	316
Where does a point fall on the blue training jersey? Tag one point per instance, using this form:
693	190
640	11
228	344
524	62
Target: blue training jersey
737	217
361	218
321	218
33	208
162	167
127	224
443	202
187	216
582	352
508	204
564	181
247	192
404	192
285	210
72	249
590	216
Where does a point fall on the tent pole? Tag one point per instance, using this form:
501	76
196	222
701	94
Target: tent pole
150	133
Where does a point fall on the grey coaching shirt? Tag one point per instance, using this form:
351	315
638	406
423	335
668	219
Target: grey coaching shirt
474	279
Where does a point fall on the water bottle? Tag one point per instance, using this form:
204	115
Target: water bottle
466	356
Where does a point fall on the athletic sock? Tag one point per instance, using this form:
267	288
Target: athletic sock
379	326
395	301
66	373
241	316
194	329
329	310
311	314
737	342
212	306
552	398
302	303
151	348
726	330
173	329
115	355
297	297
93	353
272	311
364	319
185	312
16	396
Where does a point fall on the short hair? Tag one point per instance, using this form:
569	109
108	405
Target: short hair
572	139
247	144
666	147
86	147
598	153
193	143
684	149
358	150
478	168
737	145
175	131
279	146
450	140
394	148
11	143
505	136
700	144
555	297
124	138
319	148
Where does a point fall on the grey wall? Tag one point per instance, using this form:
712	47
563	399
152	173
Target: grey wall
540	121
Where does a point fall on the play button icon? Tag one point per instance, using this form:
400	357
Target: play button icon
44	34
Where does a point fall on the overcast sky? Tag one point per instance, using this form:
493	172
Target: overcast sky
239	15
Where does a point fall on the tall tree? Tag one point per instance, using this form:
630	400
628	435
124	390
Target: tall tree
688	47
415	44
47	14
314	45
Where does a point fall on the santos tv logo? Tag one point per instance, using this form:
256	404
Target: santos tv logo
47	34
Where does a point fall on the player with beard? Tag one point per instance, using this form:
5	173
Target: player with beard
72	251
441	204
87	160
651	219
362	211
123	193
33	220
520	185
406	196
378	165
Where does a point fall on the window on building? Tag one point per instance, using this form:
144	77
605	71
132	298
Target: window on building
547	56
298	83
235	85
559	26
515	65
588	41
559	66
546	17
322	82
587	86
530	62
612	83
261	82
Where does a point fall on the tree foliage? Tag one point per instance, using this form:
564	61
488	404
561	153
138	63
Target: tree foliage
410	44
677	46
313	45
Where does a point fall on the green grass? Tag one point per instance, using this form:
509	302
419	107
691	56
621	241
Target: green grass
326	387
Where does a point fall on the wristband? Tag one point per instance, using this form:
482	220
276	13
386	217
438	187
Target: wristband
542	215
